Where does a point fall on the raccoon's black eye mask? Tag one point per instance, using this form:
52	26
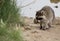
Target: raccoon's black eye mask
39	18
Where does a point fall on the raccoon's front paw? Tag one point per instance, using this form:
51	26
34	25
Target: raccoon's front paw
44	28
35	21
40	27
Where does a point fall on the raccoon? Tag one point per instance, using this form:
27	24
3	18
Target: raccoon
46	16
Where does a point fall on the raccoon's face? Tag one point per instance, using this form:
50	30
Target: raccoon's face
40	15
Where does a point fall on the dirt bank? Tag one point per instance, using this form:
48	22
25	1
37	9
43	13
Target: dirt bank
31	31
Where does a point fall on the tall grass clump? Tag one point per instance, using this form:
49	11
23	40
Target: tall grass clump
9	34
9	14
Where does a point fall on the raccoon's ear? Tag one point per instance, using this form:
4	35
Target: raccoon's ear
36	11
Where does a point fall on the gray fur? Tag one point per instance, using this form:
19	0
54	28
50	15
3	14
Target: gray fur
46	16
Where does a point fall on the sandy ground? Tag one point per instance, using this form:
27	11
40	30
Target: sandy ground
31	31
